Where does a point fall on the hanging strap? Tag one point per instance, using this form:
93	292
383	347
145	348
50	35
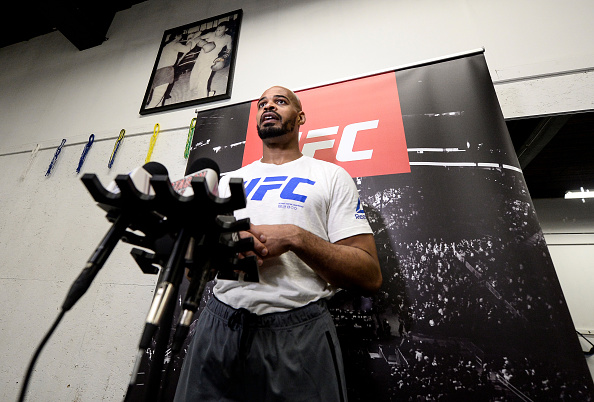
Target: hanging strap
153	142
190	137
30	163
116	147
55	158
85	152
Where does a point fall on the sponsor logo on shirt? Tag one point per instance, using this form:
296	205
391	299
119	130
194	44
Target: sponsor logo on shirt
359	212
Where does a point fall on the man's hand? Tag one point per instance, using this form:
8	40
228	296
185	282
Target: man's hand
275	239
348	263
270	240
260	250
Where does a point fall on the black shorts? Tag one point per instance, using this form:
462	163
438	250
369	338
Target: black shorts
239	356
165	75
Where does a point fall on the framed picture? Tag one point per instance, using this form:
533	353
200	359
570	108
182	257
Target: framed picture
194	65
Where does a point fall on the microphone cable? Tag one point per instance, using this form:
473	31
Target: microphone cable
36	355
84	280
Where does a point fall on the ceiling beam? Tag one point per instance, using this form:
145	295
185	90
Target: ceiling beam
544	132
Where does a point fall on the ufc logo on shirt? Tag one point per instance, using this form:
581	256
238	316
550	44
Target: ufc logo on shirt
257	188
355	124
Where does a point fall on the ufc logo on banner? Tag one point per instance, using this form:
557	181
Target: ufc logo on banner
344	152
355	124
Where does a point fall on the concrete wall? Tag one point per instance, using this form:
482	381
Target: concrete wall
538	59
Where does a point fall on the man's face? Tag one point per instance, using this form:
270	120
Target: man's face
279	112
220	31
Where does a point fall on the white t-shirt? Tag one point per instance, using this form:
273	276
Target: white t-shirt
315	195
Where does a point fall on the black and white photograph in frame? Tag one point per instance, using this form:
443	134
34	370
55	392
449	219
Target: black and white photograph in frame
194	65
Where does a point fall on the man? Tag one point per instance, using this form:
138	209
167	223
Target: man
165	74
206	59
275	340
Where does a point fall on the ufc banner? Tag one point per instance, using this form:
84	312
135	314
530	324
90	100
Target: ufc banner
470	307
361	136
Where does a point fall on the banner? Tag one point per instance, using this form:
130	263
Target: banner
470	307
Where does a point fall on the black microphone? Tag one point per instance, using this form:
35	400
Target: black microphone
182	249
140	176
201	167
215	252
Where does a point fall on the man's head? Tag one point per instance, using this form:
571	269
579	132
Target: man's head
279	113
221	29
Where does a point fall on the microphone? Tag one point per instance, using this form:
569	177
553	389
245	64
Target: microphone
141	176
182	250
172	274
215	254
201	167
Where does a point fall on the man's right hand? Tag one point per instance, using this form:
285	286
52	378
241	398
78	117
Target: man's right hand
260	249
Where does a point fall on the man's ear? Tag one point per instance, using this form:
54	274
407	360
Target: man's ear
301	118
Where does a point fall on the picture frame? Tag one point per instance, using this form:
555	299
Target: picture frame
194	65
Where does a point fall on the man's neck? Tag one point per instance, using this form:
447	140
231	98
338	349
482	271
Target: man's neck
281	150
280	157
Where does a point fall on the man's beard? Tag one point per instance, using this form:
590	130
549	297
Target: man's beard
273	132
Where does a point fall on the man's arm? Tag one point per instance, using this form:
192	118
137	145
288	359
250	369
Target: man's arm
227	46
349	263
228	43
184	49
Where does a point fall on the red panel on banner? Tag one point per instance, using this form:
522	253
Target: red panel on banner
355	124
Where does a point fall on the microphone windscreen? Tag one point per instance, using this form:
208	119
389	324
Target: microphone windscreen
203	163
155	169
201	167
141	177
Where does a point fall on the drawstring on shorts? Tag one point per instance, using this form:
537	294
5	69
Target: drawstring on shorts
242	320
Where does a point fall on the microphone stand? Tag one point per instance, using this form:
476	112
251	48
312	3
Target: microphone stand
169	222
160	316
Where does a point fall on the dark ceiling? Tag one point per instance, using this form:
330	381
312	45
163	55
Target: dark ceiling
556	153
82	22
